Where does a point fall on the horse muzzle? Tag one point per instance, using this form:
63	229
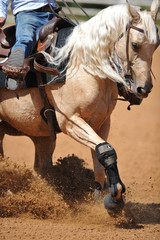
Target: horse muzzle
137	88
144	91
131	97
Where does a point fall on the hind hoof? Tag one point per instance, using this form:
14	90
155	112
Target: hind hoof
114	207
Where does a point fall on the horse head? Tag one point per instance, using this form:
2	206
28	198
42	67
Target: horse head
116	44
134	50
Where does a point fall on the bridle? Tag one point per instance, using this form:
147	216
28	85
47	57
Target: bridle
121	89
128	96
128	28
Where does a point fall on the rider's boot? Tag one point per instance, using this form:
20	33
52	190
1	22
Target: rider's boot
14	69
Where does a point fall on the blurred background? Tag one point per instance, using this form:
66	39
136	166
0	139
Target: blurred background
92	7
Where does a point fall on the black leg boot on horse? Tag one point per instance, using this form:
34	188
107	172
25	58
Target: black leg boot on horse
107	156
14	69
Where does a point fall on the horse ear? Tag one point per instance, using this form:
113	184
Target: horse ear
154	9
133	12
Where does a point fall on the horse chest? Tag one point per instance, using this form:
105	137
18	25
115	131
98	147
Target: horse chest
96	112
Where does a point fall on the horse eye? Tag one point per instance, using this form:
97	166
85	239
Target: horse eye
135	46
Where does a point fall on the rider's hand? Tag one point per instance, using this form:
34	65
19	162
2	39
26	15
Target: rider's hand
2	21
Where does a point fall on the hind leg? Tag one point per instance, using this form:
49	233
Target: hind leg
2	134
5	128
44	148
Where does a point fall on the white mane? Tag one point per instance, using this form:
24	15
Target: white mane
92	43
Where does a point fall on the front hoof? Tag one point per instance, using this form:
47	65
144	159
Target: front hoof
114	207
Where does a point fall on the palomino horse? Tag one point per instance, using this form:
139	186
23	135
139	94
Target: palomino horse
115	46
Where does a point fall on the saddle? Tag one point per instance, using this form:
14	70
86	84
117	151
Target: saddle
46	43
7	40
38	61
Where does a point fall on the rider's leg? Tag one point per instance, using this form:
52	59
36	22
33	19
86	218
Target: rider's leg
28	25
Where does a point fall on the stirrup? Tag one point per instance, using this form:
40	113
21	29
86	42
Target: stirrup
14	67
12	84
15	72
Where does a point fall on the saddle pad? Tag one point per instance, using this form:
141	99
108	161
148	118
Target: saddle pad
30	80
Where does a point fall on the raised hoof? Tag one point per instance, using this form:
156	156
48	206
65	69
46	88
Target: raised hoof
116	190
114	207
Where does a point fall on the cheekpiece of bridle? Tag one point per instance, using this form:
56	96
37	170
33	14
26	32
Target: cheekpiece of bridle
128	28
131	97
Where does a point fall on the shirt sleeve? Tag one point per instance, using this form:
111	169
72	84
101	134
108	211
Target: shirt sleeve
3	8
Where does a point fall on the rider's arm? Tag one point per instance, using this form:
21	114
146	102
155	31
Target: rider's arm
3	11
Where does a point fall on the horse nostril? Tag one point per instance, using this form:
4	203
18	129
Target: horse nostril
141	90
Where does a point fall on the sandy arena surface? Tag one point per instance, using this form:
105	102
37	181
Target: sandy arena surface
32	208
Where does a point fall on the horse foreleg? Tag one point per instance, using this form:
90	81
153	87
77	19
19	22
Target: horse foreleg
99	172
106	155
44	148
108	158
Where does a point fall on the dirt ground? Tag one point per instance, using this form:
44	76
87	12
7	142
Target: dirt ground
30	207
